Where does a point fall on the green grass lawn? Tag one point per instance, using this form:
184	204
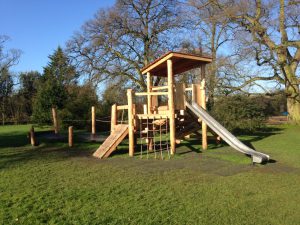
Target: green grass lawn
53	184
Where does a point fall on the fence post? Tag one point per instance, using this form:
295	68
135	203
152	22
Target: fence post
55	123
32	136
70	136
93	121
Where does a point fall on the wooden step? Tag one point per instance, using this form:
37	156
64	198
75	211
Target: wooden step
112	141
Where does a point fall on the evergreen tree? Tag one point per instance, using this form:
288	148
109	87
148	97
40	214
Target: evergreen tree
52	88
28	89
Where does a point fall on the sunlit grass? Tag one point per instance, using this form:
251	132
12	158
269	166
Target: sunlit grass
54	184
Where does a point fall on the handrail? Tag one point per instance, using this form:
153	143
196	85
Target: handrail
151	93
159	88
121	107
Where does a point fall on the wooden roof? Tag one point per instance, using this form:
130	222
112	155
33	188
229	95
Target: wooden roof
182	62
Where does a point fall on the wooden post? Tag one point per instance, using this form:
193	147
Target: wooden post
113	117
203	105
171	106
71	136
149	102
32	136
93	121
55	123
130	122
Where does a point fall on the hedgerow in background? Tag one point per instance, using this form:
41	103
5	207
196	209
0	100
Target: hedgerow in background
240	113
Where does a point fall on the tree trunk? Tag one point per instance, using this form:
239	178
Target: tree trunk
293	107
293	103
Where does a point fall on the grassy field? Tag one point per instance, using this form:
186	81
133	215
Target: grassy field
53	184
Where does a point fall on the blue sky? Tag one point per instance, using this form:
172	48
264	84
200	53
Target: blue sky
37	27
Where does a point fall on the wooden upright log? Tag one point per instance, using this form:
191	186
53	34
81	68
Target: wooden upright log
203	105
171	106
130	122
70	136
113	120
32	136
93	120
149	102
55	122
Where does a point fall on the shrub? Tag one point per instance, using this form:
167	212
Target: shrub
240	113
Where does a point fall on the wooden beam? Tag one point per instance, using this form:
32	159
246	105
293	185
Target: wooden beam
171	106
121	107
151	93
113	120
204	125
159	88
149	84
130	122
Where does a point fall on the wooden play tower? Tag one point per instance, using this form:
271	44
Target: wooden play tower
163	107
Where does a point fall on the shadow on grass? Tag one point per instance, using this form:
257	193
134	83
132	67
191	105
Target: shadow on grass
54	147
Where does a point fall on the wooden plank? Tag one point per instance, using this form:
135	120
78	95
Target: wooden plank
179	99
110	144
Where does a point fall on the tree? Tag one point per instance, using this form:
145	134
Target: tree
214	31
6	89
77	110
52	88
28	88
271	32
8	58
123	39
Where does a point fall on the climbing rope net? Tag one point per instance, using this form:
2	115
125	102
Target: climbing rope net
154	138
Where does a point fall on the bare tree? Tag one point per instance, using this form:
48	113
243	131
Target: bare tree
8	58
121	40
272	34
215	32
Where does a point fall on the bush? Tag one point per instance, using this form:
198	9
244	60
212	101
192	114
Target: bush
240	113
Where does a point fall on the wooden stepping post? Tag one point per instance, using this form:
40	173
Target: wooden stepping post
70	139
32	136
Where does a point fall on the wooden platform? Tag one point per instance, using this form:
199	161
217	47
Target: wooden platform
112	141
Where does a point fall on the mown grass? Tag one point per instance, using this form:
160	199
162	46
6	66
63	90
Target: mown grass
53	184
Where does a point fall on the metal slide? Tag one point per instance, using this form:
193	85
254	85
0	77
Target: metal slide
257	157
